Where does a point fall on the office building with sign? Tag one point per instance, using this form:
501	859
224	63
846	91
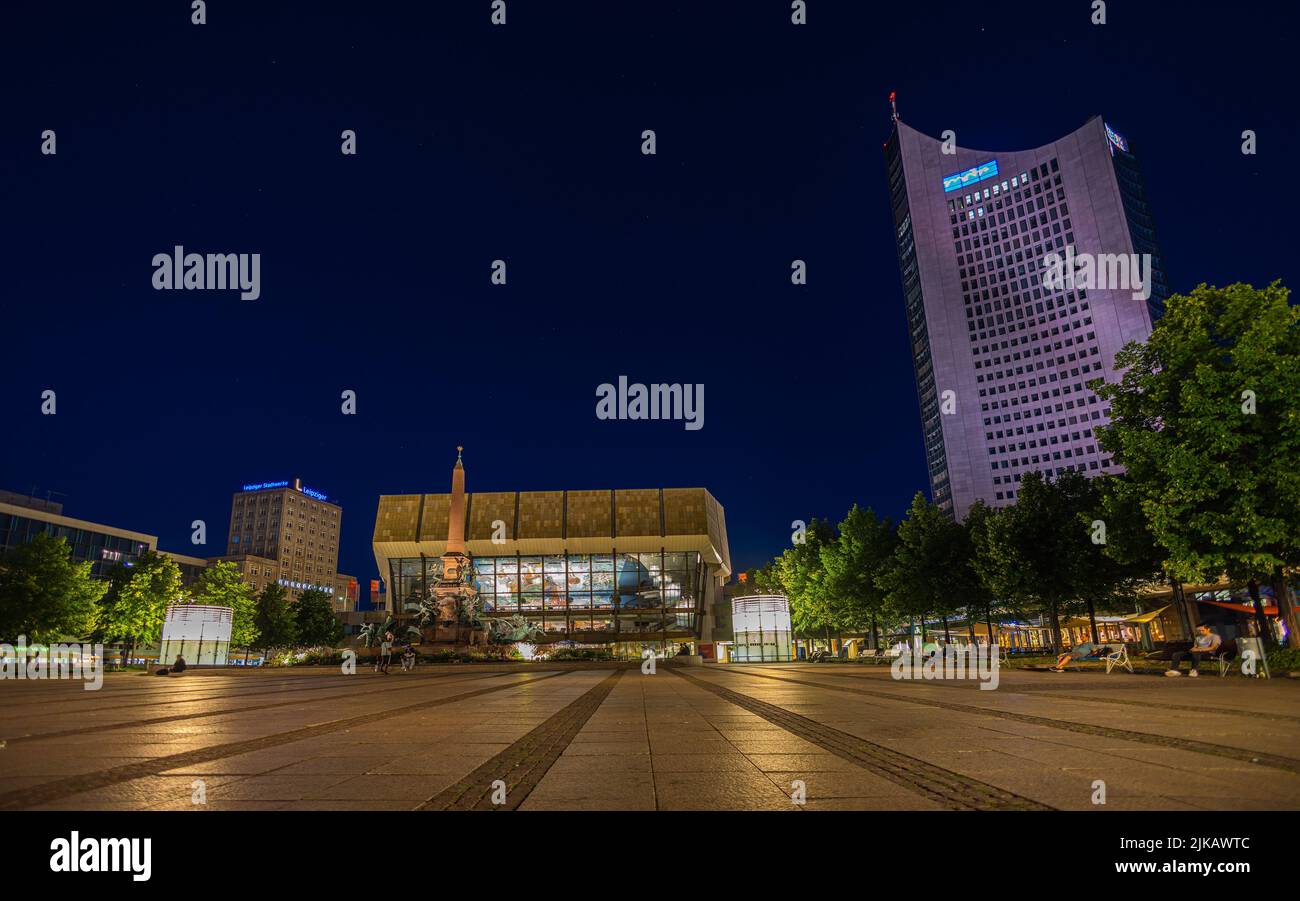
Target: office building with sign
1006	359
287	532
630	568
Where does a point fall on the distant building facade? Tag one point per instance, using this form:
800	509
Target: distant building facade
289	533
104	547
635	567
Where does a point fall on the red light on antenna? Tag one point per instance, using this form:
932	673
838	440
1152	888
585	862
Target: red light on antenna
893	95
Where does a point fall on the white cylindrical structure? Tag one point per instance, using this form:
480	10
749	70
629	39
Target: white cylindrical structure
760	626
198	633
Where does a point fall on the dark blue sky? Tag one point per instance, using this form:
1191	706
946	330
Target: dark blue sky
523	143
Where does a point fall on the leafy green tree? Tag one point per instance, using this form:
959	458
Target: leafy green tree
918	578
1132	555
43	594
315	619
133	609
222	585
1118	556
1206	419
764	579
979	593
274	619
803	581
1037	552
851	562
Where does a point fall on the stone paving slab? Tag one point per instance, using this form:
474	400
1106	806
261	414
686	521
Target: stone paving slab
726	738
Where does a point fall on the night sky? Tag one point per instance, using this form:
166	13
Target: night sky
523	143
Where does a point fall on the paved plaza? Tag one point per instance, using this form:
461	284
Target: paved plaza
566	737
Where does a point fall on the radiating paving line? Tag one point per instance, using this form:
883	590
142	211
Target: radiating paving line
952	790
143	689
1049	692
523	764
348	694
1276	761
73	785
182	698
285	686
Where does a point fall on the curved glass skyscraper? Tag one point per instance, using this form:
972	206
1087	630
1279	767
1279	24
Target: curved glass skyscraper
1023	273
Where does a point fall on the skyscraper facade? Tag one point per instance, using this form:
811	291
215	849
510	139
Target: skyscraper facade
1006	356
289	533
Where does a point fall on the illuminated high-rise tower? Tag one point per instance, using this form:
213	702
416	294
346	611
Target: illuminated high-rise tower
1004	358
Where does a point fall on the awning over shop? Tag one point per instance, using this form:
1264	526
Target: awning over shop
1147	617
1269	609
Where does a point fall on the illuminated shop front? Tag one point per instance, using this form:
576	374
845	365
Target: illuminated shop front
625	567
760	625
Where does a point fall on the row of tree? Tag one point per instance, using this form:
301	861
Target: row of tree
45	596
1205	421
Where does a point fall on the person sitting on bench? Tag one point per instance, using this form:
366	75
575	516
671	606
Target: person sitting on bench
1078	652
1207	645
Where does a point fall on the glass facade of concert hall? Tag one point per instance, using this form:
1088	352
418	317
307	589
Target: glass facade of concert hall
591	566
563	593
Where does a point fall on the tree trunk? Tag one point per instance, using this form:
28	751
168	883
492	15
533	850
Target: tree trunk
947	638
1265	633
988	622
1180	603
1285	609
875	636
1055	612
1092	621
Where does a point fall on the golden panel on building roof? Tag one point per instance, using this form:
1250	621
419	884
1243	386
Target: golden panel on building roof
589	514
486	508
638	511
397	517
433	522
541	514
685	511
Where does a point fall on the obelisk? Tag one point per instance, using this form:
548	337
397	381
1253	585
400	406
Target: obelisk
454	558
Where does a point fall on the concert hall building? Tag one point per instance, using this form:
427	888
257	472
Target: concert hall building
1005	363
625	567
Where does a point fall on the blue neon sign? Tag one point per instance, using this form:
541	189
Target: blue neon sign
973	175
316	494
1115	138
262	486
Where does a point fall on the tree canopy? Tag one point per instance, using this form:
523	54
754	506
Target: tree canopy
44	595
1206	419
